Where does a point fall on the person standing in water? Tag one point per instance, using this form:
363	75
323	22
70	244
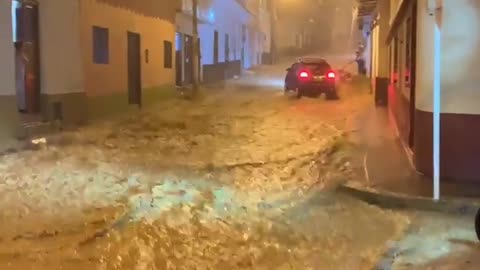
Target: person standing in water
362	70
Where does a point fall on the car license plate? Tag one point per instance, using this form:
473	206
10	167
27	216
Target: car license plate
318	78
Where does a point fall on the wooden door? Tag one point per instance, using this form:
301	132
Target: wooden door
134	69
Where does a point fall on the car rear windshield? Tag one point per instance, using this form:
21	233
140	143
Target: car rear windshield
318	67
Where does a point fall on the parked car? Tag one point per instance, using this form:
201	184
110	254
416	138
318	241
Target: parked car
311	77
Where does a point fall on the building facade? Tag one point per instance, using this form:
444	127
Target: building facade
105	56
417	38
233	35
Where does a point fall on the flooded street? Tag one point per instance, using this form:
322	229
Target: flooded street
239	134
241	179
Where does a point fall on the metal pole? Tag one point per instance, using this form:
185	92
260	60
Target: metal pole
436	112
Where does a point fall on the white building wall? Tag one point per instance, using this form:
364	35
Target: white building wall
227	18
7	50
236	41
251	49
460	57
206	33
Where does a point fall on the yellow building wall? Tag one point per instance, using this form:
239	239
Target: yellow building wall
120	18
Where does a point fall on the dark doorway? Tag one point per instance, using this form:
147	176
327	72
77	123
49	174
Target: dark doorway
188	59
242	56
27	56
199	48
215	47
178	59
134	69
227	48
413	70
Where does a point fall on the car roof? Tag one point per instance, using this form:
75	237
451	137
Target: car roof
312	60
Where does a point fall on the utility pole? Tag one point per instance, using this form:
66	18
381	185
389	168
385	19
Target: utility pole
195	49
435	8
273	22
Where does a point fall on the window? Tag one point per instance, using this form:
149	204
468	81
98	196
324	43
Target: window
100	45
167	54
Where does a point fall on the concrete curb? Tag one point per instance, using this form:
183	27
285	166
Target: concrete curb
401	201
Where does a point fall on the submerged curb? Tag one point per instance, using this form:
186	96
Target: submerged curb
401	201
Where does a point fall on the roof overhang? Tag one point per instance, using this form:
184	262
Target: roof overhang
366	8
405	6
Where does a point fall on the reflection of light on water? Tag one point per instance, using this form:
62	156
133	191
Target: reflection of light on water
187	194
426	247
39	141
267	83
274	83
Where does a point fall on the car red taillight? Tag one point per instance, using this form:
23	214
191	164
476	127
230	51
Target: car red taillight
303	75
331	75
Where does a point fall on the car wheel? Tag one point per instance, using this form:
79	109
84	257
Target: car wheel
332	95
298	93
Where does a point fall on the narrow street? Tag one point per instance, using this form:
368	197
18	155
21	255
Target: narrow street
242	178
327	135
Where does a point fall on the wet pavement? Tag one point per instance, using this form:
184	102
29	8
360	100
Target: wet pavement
242	178
389	163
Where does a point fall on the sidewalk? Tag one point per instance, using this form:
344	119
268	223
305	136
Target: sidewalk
389	171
